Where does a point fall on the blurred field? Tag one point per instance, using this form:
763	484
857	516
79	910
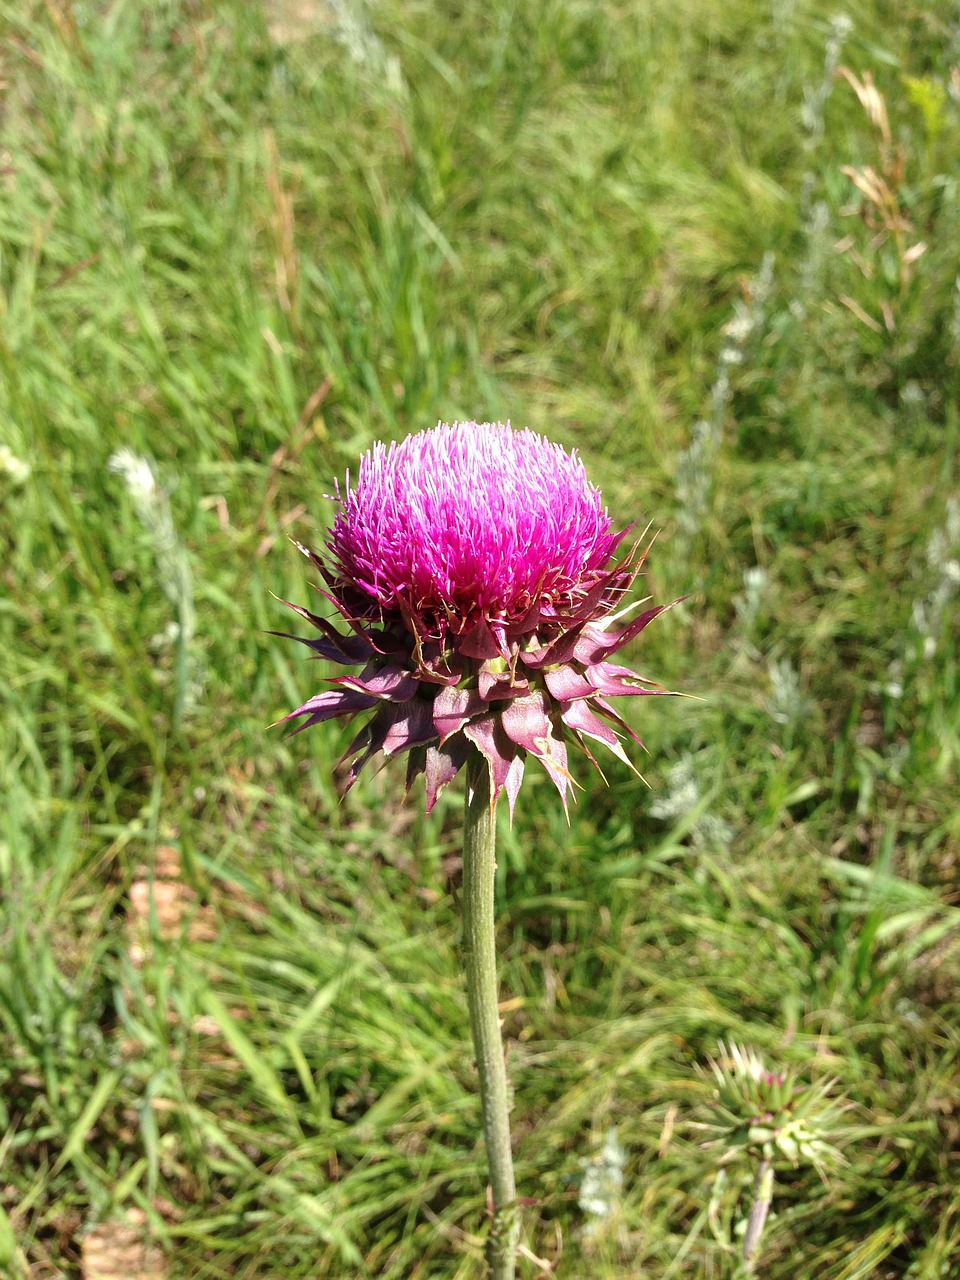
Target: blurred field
716	247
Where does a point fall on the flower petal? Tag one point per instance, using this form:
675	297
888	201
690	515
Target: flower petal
595	644
512	781
391	684
565	684
488	737
554	760
361	750
611	714
500	684
557	651
453	708
328	706
357	648
580	719
395	728
443	763
330	650
410	727
525	722
479	641
416	764
615	681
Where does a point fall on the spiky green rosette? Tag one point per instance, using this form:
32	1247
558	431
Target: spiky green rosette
471	566
768	1113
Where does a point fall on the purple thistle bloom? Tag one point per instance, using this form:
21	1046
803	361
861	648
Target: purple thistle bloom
470	564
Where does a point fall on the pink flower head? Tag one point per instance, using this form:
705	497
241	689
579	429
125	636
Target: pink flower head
471	522
470	564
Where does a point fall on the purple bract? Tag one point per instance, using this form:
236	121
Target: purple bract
470	564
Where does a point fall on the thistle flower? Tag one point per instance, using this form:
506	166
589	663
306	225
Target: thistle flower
471	566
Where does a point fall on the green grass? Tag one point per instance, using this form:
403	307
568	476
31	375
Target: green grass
542	211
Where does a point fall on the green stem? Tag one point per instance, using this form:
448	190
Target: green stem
480	958
762	1196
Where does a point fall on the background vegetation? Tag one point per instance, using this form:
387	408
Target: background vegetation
713	244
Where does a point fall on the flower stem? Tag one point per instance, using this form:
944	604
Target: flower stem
479	864
762	1196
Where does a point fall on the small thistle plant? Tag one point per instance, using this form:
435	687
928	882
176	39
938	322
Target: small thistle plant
475	573
766	1116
